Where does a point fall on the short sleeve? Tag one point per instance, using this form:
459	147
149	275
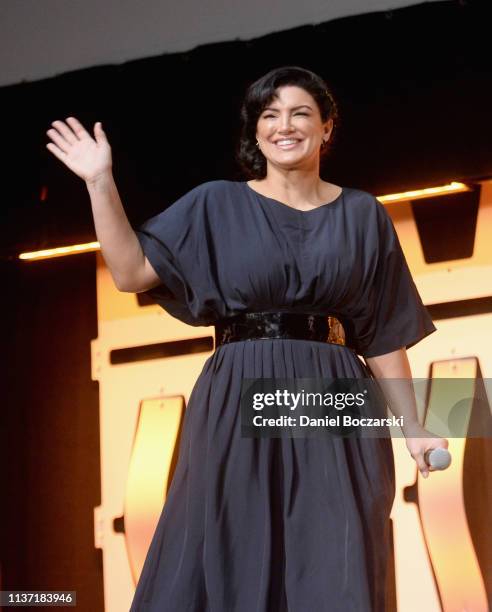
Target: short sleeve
391	313
164	239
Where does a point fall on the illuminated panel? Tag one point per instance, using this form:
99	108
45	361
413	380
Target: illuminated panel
136	443
441	497
150	474
428	192
464	333
73	249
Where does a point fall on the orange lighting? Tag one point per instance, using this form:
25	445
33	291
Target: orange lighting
61	251
453	187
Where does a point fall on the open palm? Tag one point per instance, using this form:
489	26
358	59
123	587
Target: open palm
72	144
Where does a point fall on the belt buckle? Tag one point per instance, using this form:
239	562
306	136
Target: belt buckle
336	333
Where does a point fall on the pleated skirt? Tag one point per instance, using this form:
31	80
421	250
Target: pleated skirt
270	524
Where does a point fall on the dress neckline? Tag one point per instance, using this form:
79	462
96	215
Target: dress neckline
295	210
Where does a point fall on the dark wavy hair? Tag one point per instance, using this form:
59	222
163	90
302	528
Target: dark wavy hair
260	93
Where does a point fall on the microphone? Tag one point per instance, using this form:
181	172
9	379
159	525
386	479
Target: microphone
438	458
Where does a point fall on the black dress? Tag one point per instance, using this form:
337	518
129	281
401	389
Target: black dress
276	524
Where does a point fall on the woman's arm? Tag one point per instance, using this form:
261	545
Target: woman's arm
400	396
130	269
402	403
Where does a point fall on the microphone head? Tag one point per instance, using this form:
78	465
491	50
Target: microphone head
438	458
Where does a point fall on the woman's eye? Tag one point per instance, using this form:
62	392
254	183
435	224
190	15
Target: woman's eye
268	116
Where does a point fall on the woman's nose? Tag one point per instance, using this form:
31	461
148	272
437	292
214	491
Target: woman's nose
285	125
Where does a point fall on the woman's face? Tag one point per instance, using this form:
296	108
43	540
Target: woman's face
294	115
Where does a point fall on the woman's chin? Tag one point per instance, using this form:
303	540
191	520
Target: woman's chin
290	161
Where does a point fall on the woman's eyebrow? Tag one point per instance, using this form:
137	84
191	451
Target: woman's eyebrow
293	108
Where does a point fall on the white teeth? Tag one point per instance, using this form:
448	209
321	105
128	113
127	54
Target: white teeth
290	141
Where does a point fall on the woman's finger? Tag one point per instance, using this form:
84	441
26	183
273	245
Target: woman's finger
421	464
59	140
78	128
65	131
99	134
56	151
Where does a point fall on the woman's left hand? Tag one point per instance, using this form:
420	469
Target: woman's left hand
419	440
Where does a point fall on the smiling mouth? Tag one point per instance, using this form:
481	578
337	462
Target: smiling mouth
288	144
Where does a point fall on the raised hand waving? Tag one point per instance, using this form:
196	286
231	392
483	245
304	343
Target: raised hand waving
88	157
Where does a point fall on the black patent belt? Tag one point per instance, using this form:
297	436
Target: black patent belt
287	325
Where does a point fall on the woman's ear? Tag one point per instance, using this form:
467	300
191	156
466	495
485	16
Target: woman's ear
328	128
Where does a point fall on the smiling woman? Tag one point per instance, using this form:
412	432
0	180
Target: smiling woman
287	125
288	102
275	263
301	279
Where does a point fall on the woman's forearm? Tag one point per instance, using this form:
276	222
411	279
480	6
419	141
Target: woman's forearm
399	393
119	244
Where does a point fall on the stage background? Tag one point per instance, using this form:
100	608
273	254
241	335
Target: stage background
415	91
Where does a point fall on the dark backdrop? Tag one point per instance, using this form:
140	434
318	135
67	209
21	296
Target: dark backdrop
49	436
414	88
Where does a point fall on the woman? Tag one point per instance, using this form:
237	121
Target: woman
300	277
